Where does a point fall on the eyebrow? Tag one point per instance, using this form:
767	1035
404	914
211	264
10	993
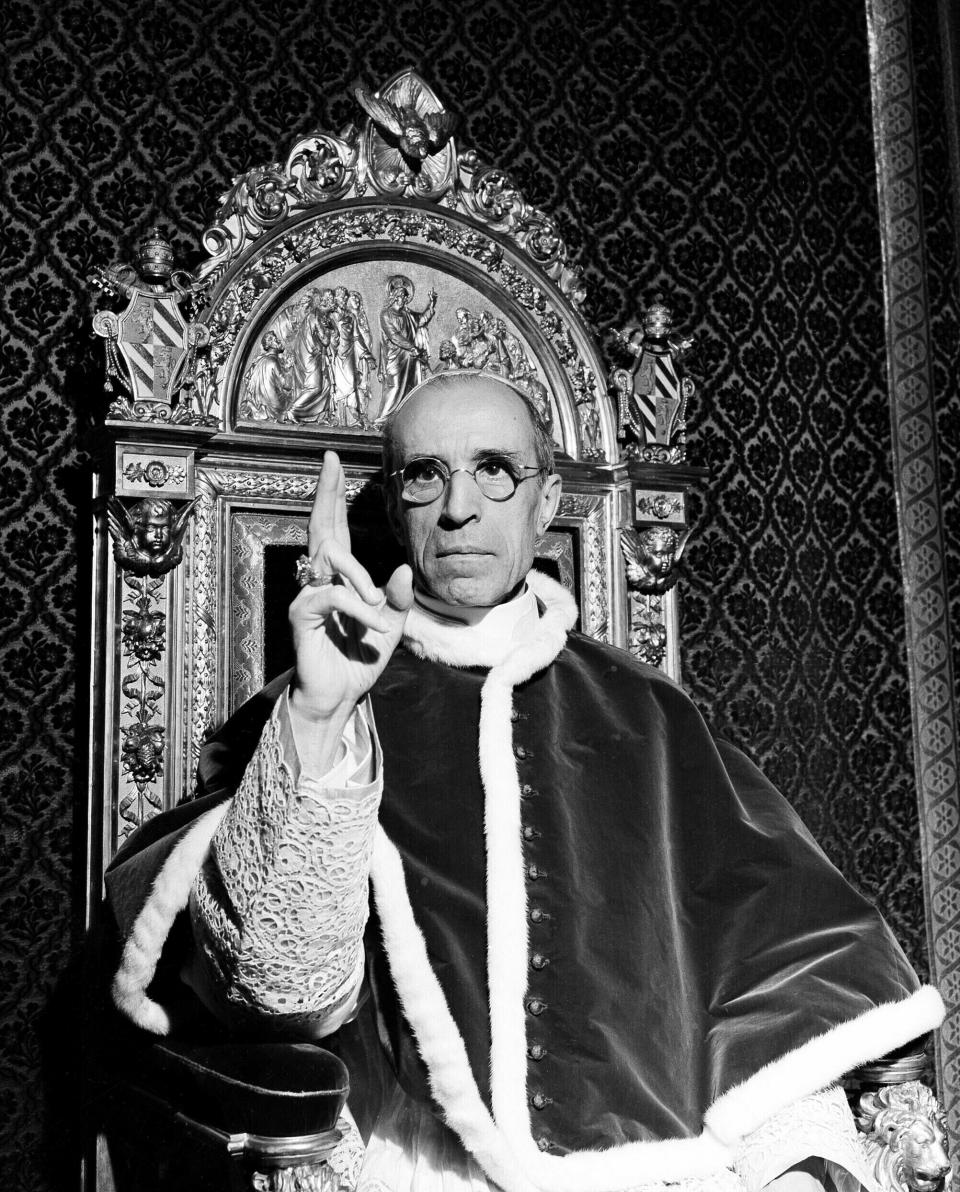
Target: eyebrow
482	453
499	452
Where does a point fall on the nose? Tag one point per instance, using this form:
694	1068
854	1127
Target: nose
934	1169
462	500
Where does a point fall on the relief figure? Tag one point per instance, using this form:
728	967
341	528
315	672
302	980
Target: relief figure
404	346
313	345
351	355
268	392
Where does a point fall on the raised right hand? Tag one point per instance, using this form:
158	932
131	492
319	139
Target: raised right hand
344	632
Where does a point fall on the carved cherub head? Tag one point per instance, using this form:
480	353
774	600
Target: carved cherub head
148	537
651	558
659	546
152	521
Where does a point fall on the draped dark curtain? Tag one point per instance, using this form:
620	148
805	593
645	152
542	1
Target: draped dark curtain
718	153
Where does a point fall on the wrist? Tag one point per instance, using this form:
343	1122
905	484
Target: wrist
317	732
315	713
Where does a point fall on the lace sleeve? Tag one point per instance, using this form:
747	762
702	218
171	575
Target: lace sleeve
819	1126
279	907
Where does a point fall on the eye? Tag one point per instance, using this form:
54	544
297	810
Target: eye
423	471
495	468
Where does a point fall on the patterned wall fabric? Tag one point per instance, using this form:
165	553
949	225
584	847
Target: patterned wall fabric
720	153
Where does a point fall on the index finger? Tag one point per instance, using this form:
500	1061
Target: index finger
328	517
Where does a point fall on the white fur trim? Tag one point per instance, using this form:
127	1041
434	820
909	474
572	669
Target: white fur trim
814	1064
503	1144
168	896
453	1085
440	1043
457	645
507	952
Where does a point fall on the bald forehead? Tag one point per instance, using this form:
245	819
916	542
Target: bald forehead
444	402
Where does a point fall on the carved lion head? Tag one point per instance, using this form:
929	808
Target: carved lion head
904	1124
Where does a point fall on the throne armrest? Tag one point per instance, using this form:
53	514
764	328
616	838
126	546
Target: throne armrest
901	1122
264	1115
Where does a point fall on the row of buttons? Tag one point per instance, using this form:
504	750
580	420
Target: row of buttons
535	1006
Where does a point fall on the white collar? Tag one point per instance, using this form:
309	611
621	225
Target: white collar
485	637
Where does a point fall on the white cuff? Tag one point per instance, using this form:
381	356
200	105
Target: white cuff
356	766
819	1126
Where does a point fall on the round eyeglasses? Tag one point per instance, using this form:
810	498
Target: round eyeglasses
423	480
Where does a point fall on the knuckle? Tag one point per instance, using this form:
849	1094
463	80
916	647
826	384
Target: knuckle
326	547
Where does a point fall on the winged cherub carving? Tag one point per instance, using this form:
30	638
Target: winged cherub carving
418	135
148	538
651	557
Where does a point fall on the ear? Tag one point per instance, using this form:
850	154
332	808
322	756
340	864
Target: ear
549	501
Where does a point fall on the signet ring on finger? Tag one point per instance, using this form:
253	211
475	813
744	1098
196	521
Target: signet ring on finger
307	574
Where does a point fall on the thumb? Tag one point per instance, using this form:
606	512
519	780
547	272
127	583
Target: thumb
399	597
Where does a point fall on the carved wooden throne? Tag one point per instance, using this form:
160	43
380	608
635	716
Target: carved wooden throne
222	412
229	384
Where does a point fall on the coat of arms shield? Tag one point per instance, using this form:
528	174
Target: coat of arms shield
151	338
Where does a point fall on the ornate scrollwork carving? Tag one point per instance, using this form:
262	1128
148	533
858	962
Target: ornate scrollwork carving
403	151
660	506
304	1177
253	203
653	392
155	473
148	537
647	639
492	197
324	167
142	735
272	389
594	611
144	634
904	1133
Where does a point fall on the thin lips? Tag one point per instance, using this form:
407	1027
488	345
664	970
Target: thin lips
462	550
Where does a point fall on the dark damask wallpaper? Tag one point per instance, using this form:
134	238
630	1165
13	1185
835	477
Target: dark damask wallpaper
720	152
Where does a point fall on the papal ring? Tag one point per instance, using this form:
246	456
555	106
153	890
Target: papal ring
307	574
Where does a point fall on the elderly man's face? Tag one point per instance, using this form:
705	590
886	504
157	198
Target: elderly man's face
464	548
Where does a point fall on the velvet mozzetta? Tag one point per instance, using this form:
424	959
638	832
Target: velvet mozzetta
589	907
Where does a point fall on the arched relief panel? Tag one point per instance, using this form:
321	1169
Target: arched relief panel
515	314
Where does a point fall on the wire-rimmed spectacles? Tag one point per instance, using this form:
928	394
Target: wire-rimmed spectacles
424	479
